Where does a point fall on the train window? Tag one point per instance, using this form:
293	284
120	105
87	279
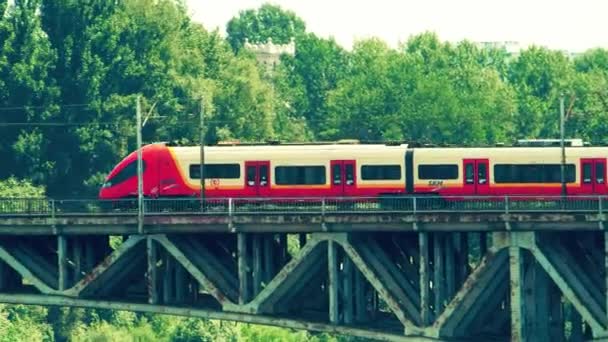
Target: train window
438	171
251	175
469	174
263	175
482	174
225	171
599	173
337	174
380	172
299	175
350	174
534	173
587	173
127	172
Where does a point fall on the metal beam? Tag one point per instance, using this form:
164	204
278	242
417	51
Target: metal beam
333	282
168	278
516	272
211	314
438	272
202	278
450	267
62	262
256	250
243	268
77	259
360	300
475	289
567	283
384	290
216	268
152	274
425	308
25	272
105	273
348	298
289	278
269	271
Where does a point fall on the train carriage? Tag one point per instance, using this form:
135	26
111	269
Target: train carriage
358	170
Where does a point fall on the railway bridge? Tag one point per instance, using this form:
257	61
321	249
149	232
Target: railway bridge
403	269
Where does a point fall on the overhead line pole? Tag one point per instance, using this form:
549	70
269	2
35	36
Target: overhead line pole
562	143
140	180
202	145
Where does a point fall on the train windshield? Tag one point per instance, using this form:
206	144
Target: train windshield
127	172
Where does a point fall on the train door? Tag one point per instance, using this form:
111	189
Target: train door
343	178
476	176
593	175
257	179
169	180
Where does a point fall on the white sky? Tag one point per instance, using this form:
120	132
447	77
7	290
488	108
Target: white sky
573	25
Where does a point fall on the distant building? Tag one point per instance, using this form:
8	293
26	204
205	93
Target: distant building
269	54
513	48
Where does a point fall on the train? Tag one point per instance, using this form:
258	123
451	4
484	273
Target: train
358	170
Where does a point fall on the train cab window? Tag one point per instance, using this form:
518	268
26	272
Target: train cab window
482	174
438	171
300	175
587	173
337	174
127	172
263	175
350	174
381	172
469	174
225	171
250	175
599	173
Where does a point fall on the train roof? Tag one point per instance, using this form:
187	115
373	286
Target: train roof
295	148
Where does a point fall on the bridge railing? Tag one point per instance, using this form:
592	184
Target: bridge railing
311	205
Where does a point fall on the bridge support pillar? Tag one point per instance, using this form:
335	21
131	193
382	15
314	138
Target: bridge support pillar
360	302
62	262
76	259
243	268
152	273
256	252
347	287
333	283
168	279
517	295
438	273
425	308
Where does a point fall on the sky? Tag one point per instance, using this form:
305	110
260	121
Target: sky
573	25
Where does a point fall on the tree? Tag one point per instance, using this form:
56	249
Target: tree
538	77
267	22
109	54
27	89
243	104
318	65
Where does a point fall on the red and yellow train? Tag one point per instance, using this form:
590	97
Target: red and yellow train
338	170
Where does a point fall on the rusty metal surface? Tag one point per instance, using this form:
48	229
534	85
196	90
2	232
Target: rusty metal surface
291	223
307	287
209	314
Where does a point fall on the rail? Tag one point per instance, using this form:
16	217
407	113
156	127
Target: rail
316	205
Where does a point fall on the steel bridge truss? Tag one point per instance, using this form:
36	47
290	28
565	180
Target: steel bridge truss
533	286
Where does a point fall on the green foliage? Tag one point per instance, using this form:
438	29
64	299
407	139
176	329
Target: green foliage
15	188
24	323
